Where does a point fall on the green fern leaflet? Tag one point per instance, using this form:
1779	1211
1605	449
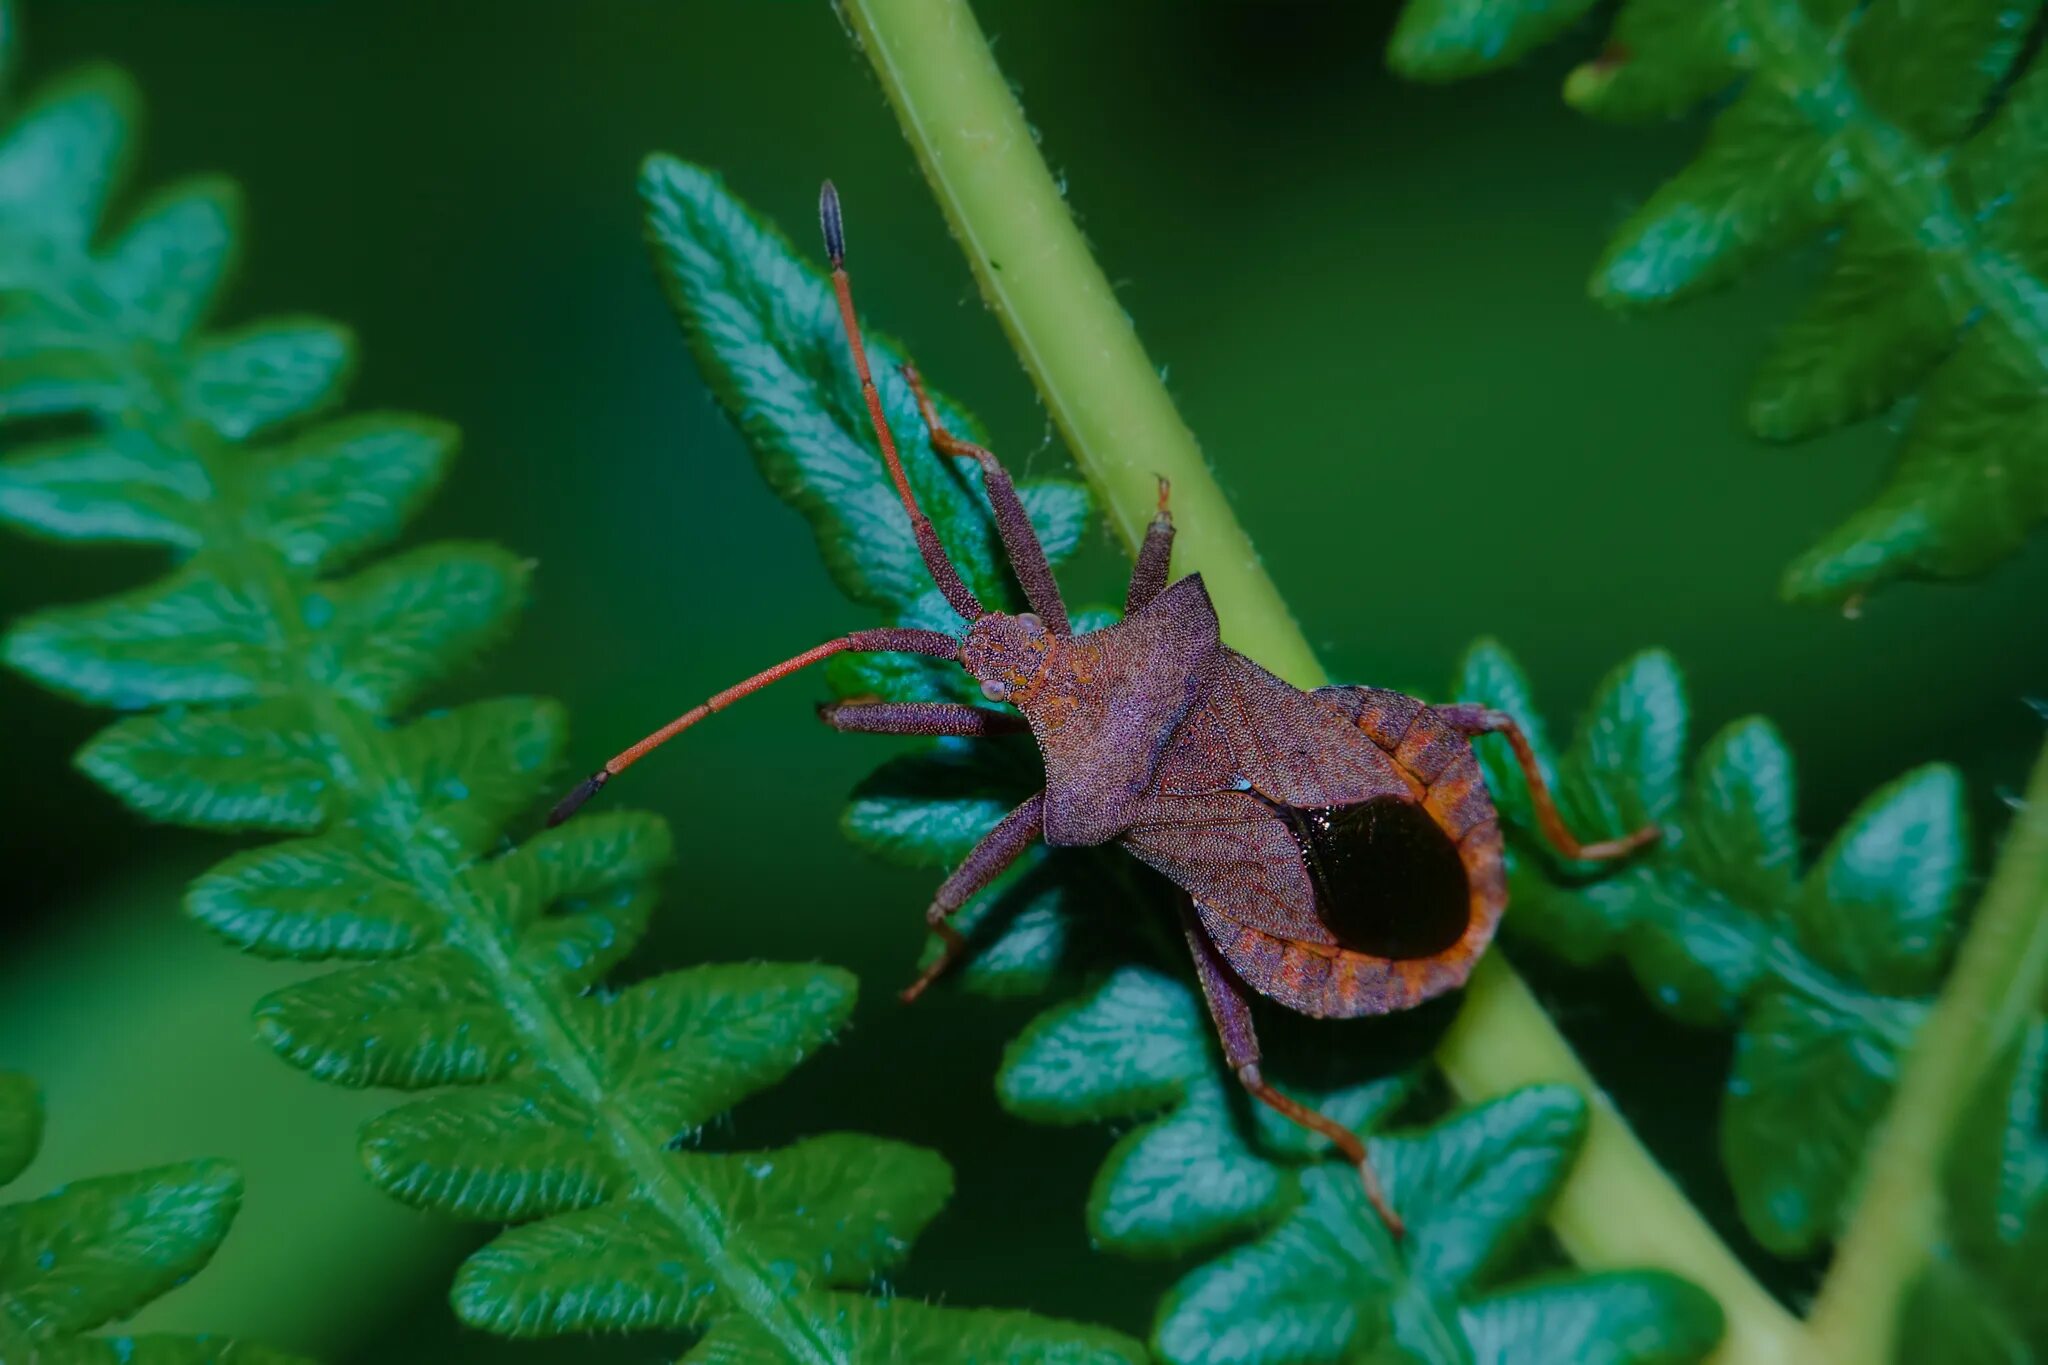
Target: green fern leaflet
98	1250
1907	130
1825	976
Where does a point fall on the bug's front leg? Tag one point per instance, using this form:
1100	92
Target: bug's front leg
1472	719
1013	523
1000	847
1233	1016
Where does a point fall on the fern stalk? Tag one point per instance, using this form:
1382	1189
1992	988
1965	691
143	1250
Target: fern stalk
969	134
367	768
2000	974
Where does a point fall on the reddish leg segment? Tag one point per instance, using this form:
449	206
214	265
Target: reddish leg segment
1470	718
1148	574
1233	1016
1000	847
930	718
888	640
1013	524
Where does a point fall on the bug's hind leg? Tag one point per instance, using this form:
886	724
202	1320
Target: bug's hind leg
1233	1016
1470	718
1000	847
1148	574
928	718
1013	524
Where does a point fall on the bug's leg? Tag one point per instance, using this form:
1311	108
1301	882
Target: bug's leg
918	718
929	643
1233	1016
1000	847
1020	542
1148	575
1470	718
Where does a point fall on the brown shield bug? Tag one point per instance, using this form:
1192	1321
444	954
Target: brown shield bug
1338	848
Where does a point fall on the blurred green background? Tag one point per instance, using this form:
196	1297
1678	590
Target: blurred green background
1367	296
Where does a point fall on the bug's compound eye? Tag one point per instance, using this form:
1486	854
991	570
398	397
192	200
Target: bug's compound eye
995	691
1029	620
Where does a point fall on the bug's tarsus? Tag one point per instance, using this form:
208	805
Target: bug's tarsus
954	947
1346	1141
951	585
573	802
1376	1195
1608	850
1013	836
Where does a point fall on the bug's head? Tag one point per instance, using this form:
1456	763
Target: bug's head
1008	655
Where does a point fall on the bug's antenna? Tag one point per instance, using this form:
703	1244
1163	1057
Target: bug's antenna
887	639
833	224
956	592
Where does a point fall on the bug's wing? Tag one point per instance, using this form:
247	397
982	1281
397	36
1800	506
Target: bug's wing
1244	871
1294	747
1103	736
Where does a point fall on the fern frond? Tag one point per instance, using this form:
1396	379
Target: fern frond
1323	1282
1327	1285
278	690
1825	975
1901	126
99	1250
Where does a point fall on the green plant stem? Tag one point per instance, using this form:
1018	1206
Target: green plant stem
1990	996
1061	314
1035	270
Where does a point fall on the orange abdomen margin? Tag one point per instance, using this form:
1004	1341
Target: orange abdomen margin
1329	981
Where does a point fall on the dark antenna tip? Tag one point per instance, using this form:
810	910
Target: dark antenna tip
835	229
573	802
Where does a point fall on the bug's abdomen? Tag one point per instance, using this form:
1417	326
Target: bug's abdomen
1367	907
1452	793
1407	892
